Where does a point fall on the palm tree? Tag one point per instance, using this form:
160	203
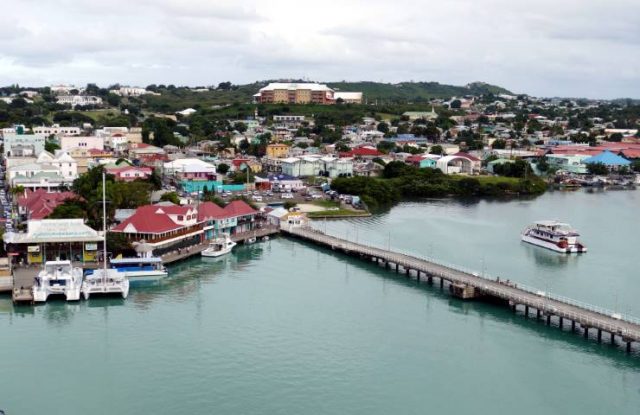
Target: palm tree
17	190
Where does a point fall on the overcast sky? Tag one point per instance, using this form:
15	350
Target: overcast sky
587	48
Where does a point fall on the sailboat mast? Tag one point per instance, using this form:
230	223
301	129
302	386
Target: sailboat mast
104	225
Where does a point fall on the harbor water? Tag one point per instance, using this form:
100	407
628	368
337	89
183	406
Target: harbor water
284	327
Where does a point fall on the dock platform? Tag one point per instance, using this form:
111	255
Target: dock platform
467	284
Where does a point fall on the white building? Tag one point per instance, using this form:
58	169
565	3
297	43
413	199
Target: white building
70	142
79	100
348	97
55	129
48	171
317	166
23	145
126	91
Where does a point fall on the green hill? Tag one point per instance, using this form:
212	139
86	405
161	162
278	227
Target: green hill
176	99
415	91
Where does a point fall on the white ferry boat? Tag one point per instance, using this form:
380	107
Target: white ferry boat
140	269
553	235
105	282
58	278
219	247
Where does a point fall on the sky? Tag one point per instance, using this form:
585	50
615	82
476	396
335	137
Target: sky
571	48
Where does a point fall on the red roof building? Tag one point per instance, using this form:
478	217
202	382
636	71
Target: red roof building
38	204
362	152
164	226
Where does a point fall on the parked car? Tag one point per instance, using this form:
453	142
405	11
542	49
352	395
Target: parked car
287	196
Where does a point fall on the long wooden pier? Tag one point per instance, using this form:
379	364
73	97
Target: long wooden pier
467	284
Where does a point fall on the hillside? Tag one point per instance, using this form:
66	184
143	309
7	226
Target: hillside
415	91
176	99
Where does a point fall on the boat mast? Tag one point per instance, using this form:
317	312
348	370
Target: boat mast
104	227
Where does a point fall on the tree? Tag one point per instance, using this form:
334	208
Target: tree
386	146
51	146
223	168
615	137
437	149
635	166
224	86
171	197
383	127
289	204
499	144
240	127
456	104
597	169
69	209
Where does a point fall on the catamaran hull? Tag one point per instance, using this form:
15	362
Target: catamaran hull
571	249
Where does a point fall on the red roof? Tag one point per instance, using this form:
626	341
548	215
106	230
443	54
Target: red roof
40	203
147	219
466	155
239	162
417	158
209	210
362	152
239	208
631	153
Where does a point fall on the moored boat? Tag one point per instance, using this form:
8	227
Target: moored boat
58	278
554	235
105	282
219	247
139	269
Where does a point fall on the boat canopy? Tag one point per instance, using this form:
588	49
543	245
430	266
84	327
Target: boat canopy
148	260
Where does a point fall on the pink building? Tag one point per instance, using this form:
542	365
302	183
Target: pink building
130	173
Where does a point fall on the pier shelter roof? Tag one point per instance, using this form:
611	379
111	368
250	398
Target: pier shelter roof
54	230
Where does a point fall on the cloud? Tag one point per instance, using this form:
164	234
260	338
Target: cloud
569	47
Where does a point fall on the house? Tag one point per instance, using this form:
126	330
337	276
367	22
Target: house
363	152
317	166
129	173
138	150
23	145
416	115
190	169
48	171
40	203
277	150
609	159
79	100
475	161
569	163
422	161
55	129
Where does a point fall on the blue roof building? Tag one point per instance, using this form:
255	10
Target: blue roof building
608	159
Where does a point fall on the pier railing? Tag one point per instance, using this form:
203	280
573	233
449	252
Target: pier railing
507	292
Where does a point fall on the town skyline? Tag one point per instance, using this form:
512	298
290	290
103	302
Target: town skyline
547	51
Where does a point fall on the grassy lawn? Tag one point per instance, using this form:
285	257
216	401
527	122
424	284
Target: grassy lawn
488	179
326	204
336	213
95	114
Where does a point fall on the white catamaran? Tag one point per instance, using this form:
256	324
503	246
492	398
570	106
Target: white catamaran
105	281
58	278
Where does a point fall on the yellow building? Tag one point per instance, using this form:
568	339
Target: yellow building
277	151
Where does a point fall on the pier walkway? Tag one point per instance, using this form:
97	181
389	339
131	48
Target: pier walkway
183	253
467	284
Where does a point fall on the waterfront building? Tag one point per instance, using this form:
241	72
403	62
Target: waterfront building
609	159
317	166
570	163
54	239
422	161
455	165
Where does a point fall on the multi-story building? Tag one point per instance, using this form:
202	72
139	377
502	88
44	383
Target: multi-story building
70	142
55	129
295	93
79	100
277	150
23	145
317	166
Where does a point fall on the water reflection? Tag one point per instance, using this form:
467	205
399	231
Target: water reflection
548	259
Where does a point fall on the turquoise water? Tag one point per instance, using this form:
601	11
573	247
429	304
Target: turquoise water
283	327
